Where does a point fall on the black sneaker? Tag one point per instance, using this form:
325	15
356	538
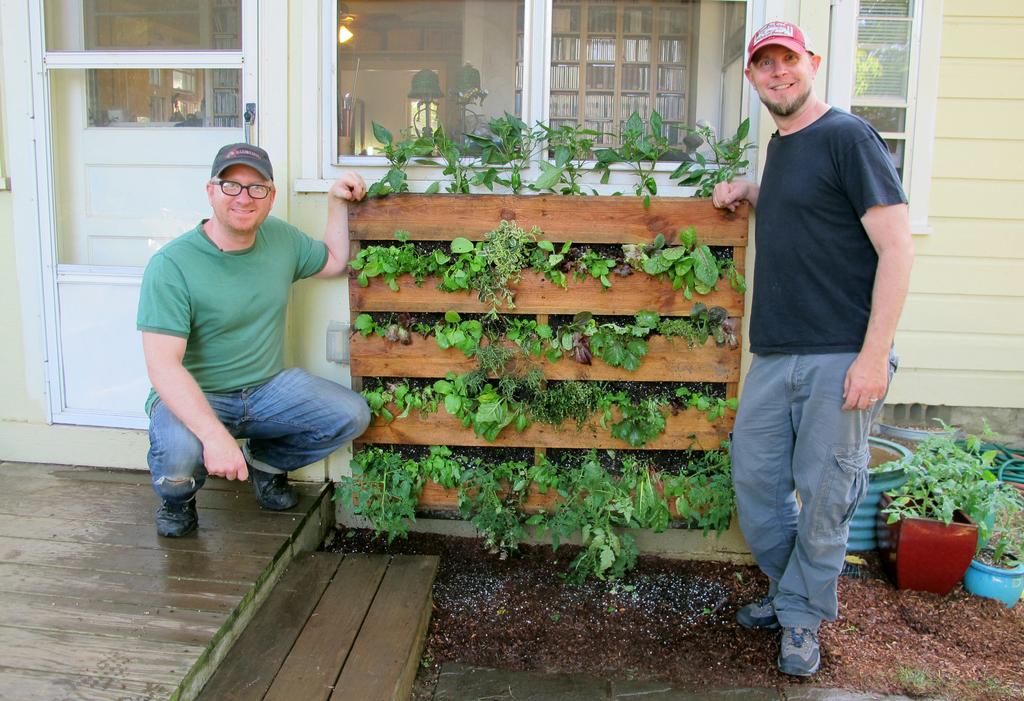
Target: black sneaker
272	491
174	520
799	653
759	614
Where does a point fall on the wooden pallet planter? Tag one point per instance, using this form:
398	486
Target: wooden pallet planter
582	220
686	430
376	357
535	295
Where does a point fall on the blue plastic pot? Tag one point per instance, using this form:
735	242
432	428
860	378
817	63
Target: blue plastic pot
862	526
1004	585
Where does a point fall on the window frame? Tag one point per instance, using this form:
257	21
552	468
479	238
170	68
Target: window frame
922	94
321	162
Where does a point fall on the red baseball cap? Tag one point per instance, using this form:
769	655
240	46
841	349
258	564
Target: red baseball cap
778	32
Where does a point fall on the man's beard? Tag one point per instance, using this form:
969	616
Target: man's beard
784	110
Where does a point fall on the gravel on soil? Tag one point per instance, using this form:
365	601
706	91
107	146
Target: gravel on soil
673	620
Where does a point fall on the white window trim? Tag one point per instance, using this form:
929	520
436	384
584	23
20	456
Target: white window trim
922	98
318	167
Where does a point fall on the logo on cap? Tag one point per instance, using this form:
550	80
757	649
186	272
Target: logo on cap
773	29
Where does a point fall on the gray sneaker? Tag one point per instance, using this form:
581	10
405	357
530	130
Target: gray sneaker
799	654
759	614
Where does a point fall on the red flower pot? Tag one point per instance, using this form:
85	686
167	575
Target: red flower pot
925	554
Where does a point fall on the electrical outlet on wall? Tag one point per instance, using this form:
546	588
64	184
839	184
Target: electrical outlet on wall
337	341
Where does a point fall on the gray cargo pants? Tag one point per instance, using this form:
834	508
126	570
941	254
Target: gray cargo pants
792	437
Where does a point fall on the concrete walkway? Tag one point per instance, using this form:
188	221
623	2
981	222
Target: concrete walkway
464	683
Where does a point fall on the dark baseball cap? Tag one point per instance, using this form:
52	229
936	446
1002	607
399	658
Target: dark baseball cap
243	154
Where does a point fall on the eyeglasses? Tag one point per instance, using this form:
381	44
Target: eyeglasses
233	189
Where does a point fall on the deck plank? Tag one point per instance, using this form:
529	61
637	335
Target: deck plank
29	487
140	512
72	531
197	594
165	624
249	668
127	560
382	664
96	656
313	665
49	686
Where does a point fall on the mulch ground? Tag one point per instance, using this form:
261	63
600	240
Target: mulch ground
673	621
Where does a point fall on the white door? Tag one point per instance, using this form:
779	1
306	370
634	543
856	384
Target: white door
138	95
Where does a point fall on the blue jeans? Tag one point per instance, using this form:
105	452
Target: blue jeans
290	421
792	438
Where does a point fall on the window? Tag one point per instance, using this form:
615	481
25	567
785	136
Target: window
419	65
416	65
120	97
882	71
876	72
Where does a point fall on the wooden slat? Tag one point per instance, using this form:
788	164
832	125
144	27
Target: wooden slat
100	557
19	684
69	530
100	657
145	589
164	624
251	664
140	511
560	218
688	429
535	295
666	360
383	661
314	663
436	497
105	493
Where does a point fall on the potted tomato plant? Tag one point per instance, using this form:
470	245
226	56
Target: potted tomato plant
929	527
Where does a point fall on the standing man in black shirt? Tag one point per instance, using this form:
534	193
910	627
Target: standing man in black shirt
833	258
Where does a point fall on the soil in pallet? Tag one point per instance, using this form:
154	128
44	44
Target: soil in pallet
673	620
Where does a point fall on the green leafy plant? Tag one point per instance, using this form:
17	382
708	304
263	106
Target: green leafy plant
704	492
570	146
508	150
452	163
383	488
943	477
728	160
640	148
492	499
454	332
398	153
1005	545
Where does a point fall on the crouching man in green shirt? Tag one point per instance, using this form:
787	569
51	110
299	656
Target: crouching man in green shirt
212	317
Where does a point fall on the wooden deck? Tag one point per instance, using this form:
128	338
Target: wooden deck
94	605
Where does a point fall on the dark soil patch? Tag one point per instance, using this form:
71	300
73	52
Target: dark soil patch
673	621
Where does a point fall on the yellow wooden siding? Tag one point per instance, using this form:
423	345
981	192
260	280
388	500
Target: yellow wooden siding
937	312
981	8
988	239
982	78
956	388
962	351
990	118
978	158
983	38
1002	199
967	276
961	337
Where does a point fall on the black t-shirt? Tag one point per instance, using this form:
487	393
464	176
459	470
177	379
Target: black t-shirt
815	266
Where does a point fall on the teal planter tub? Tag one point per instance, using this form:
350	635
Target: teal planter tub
862	526
1004	585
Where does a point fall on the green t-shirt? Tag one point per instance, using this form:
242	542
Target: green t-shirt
229	305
